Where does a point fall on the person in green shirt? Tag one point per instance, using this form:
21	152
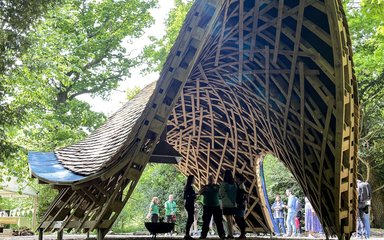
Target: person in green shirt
211	207
154	210
170	209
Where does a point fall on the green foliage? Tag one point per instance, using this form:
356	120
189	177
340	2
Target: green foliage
158	180
13	203
156	53
77	49
16	20
278	179
367	33
18	205
366	24
132	92
45	198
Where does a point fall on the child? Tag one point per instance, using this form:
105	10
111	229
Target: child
154	210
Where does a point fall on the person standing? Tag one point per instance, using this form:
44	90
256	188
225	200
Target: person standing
211	207
367	223
308	218
228	192
316	225
189	204
291	213
278	215
154	210
241	204
196	218
170	209
312	222
363	200
298	216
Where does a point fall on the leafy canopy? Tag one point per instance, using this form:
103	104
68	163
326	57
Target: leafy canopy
366	25
80	47
16	20
156	53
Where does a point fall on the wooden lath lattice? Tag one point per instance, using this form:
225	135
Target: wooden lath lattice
244	78
94	202
276	77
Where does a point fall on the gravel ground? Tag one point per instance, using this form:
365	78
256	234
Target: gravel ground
376	234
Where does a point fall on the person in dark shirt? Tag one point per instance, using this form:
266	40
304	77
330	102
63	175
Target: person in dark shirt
211	207
189	204
228	190
241	204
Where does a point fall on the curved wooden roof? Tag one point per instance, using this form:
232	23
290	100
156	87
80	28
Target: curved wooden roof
102	147
244	78
275	77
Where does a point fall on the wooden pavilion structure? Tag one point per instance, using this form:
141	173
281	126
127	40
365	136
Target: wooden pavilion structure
244	78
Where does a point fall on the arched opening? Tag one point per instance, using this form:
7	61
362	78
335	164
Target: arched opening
275	180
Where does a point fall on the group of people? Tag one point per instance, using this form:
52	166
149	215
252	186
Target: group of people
233	198
170	209
293	216
228	199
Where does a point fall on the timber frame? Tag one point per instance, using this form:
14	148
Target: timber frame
244	78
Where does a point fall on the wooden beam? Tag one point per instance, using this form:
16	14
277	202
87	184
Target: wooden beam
221	158
278	30
254	29
299	24
220	43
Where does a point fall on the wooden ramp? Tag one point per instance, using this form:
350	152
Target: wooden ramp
244	78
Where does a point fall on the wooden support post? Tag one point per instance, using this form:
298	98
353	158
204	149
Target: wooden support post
34	216
100	235
41	233
60	235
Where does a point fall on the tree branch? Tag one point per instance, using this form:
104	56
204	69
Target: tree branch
96	61
96	88
367	165
377	82
378	189
91	35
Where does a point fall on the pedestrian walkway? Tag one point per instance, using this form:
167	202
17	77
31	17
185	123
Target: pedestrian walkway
378	235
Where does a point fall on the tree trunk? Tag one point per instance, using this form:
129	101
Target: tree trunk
377	203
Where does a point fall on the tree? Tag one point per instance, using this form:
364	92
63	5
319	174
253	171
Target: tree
367	34
276	183
158	180
132	92
77	49
16	20
156	53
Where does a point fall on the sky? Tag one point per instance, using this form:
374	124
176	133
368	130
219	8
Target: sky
118	97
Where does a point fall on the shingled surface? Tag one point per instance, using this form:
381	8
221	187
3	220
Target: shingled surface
95	152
